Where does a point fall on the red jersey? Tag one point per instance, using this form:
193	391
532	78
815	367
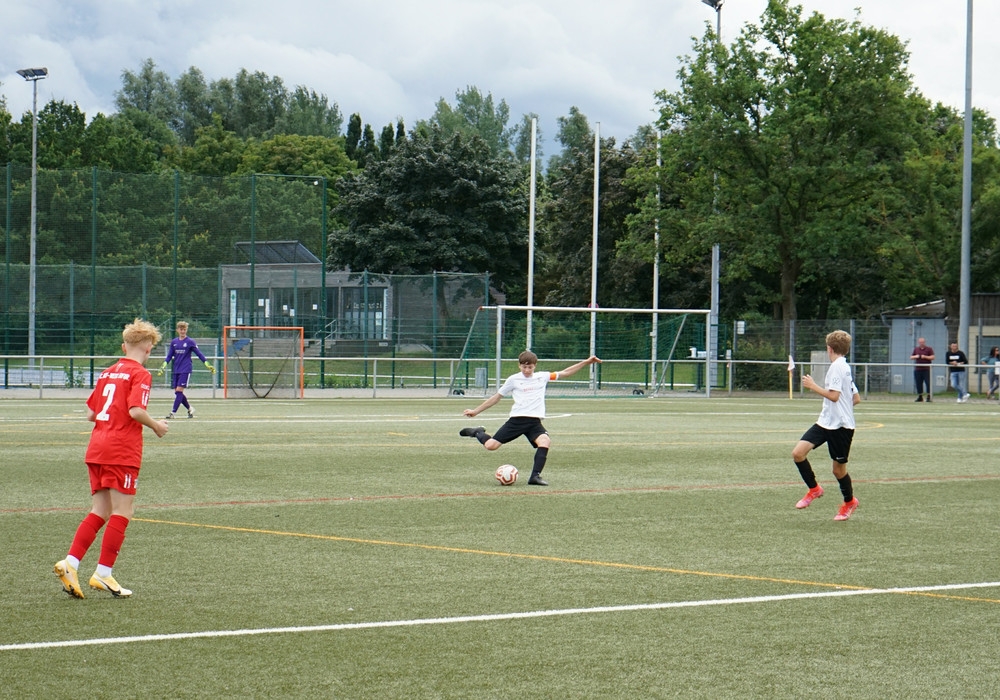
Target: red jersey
117	437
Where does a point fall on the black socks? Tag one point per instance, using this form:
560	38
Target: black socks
541	454
808	476
846	488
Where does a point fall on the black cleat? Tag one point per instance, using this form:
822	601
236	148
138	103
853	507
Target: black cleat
471	432
536	480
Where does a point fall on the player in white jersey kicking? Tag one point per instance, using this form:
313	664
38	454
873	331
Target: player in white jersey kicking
527	387
835	426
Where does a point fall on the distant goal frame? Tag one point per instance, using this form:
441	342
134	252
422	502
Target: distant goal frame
708	357
298	372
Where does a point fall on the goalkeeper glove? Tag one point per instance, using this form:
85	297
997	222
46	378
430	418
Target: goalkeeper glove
210	367
159	372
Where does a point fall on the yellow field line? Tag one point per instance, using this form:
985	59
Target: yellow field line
552	559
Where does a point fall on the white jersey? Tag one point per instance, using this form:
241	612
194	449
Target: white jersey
839	413
528	393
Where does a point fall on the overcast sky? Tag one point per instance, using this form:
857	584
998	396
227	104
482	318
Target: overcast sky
387	59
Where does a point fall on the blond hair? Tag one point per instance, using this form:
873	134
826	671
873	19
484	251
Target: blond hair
839	342
139	332
182	324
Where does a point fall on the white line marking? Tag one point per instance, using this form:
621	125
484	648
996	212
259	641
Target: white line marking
489	618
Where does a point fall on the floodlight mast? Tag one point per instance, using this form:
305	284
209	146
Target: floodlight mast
717	6
33	75
713	319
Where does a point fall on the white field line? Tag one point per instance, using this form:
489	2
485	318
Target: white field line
490	618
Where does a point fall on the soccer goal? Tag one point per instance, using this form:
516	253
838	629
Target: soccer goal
645	352
263	362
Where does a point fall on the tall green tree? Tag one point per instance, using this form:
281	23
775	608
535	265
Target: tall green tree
438	202
259	105
310	114
216	151
114	143
291	154
925	215
779	146
475	113
353	136
151	91
6	120
61	129
567	223
193	104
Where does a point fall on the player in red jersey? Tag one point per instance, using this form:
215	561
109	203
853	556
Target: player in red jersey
117	407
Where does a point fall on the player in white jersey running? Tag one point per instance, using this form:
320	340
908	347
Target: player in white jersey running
527	388
835	425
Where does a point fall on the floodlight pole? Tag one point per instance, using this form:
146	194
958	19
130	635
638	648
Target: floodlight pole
33	75
965	276
713	318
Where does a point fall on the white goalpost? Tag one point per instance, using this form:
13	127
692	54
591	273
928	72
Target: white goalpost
645	352
263	362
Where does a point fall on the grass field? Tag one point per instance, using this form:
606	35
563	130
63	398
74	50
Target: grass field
360	549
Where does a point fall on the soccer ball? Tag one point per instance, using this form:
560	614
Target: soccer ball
506	474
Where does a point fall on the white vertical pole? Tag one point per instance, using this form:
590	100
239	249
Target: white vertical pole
33	255
655	332
531	234
593	264
499	345
965	276
712	341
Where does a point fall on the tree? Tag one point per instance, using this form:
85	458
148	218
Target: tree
6	122
438	202
353	136
260	103
522	140
310	114
566	232
924	218
778	147
386	140
114	143
61	129
291	154
216	151
150	91
475	114
193	105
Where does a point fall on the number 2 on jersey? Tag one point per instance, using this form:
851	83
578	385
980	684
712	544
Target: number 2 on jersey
109	395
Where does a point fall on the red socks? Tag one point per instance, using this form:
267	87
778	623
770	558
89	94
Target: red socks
111	544
85	535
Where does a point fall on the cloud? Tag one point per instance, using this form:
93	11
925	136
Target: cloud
392	59
345	79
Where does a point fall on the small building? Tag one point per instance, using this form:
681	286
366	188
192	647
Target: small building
285	287
929	321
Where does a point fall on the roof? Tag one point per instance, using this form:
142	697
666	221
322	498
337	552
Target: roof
930	309
273	252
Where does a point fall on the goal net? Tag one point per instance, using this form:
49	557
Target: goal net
644	352
263	362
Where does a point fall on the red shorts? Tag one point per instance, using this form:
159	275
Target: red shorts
113	476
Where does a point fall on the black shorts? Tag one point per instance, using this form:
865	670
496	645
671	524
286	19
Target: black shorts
517	426
838	441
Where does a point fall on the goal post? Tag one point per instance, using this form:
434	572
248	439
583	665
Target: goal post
644	352
263	362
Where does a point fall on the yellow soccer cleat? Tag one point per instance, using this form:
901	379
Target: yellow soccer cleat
108	583
67	574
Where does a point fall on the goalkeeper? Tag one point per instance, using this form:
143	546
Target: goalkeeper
181	349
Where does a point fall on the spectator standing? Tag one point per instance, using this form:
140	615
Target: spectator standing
991	371
922	356
957	362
